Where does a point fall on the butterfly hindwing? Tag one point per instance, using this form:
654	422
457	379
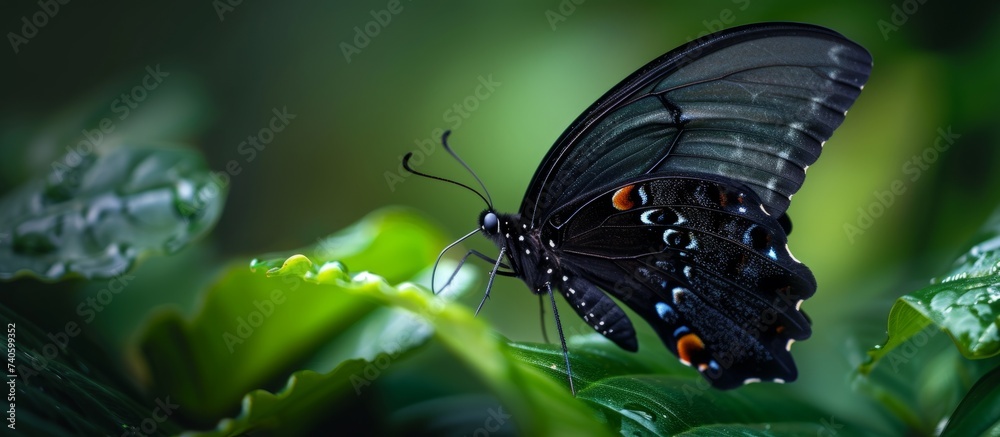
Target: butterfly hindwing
704	264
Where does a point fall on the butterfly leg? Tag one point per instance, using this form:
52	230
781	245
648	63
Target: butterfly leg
541	315
493	275
462	262
562	338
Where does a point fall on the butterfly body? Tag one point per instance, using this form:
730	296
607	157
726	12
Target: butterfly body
669	194
534	254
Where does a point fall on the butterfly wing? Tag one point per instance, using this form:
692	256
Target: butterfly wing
754	103
703	264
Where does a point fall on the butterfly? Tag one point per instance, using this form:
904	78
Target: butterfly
669	195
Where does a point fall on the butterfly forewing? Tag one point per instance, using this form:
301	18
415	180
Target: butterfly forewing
754	103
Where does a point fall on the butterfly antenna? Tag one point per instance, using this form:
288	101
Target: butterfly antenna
444	142
434	272
406	165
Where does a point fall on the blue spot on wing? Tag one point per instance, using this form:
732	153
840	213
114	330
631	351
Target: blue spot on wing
663	309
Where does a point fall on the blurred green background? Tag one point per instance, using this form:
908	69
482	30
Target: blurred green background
357	114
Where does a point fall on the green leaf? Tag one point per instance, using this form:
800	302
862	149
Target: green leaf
537	403
668	405
637	396
395	242
57	392
96	213
965	303
979	412
250	329
304	392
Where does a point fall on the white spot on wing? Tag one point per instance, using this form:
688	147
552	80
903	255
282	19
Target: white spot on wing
667	234
645	217
678	293
693	244
642	194
772	184
797	127
790	254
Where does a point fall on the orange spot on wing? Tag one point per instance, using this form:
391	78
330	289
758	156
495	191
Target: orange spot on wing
688	346
780	329
622	199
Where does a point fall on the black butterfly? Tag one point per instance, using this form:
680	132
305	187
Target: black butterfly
669	194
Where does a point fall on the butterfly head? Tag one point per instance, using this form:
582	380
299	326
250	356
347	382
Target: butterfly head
489	223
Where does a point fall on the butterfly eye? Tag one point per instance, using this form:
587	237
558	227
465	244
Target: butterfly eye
491	224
